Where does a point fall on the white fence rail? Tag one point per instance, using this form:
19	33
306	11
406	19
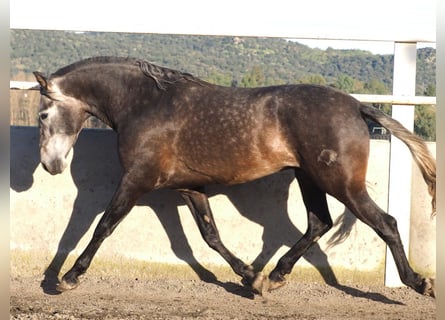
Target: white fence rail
366	98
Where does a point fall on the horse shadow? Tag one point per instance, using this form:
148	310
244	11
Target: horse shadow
97	180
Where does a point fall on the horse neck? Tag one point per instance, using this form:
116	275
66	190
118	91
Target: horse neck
109	98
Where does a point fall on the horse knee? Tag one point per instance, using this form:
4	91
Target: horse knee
212	240
102	231
387	229
390	221
328	226
318	227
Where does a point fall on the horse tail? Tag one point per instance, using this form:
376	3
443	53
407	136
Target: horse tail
419	151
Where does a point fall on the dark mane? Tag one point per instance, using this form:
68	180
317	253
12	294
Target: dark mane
90	61
161	75
164	76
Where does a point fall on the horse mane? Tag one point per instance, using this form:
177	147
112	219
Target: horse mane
88	62
164	76
161	75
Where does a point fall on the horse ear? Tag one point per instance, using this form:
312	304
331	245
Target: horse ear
41	79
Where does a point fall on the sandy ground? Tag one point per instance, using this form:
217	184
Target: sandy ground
118	298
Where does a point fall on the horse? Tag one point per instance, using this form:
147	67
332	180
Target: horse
177	131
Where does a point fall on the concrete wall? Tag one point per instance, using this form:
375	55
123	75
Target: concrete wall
52	216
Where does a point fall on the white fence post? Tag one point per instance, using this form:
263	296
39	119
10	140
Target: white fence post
399	201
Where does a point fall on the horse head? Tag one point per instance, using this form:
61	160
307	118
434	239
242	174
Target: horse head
60	120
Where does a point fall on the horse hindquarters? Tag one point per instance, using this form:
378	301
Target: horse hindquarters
349	187
346	181
336	160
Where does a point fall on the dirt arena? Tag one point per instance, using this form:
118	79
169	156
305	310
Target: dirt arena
114	298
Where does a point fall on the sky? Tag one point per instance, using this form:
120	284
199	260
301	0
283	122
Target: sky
387	20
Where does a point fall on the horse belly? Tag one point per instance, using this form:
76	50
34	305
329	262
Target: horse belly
235	160
262	161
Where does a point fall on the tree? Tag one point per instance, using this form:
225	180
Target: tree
430	90
425	122
345	83
375	86
313	79
254	78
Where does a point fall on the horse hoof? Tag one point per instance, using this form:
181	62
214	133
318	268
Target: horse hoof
260	284
276	284
66	286
429	288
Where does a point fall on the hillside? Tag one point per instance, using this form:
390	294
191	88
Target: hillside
231	61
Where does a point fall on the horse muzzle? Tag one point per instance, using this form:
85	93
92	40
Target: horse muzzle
55	167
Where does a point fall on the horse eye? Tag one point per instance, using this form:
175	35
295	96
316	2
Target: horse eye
43	116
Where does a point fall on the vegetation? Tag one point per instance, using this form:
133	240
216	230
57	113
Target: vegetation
230	61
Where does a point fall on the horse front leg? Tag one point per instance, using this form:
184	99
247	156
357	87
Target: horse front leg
198	204
122	202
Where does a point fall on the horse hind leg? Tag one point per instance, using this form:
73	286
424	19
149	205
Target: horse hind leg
319	222
385	226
